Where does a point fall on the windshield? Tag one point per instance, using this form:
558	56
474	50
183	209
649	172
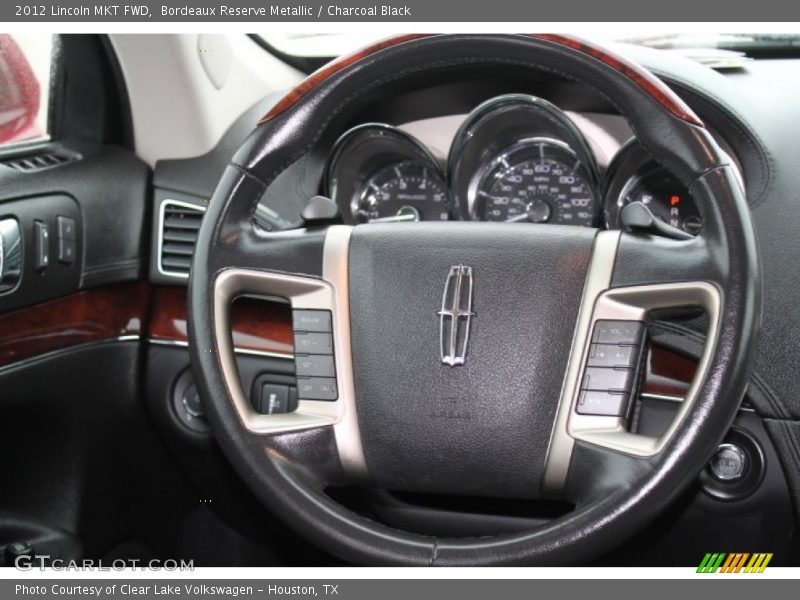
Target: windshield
308	45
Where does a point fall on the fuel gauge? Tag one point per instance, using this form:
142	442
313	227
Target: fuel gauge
665	196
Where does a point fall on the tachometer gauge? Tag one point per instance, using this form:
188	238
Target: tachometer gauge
381	173
665	196
535	181
405	191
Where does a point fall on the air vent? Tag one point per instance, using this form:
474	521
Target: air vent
37	162
178	227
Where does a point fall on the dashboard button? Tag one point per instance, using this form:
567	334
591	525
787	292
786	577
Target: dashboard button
618	332
599	403
190	400
312	320
313	343
316	388
729	463
314	365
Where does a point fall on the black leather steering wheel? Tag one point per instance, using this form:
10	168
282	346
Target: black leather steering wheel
506	423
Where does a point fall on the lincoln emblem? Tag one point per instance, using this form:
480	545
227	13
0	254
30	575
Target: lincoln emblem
455	315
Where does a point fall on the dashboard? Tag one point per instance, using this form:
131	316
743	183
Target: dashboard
515	158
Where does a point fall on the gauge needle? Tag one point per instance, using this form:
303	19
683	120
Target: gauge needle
522	217
399	218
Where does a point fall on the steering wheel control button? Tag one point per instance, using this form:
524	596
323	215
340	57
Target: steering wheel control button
312	321
41	238
607	404
618	332
729	463
608	379
611	367
612	355
273	399
313	343
316	388
313	361
314	365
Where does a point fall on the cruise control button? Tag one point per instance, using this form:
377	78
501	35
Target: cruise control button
313	343
314	365
612	355
608	380
618	332
312	320
608	404
316	388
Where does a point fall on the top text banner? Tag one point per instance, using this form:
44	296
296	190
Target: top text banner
463	11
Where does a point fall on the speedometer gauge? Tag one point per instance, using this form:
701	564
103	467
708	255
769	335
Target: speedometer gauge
535	181
519	158
405	191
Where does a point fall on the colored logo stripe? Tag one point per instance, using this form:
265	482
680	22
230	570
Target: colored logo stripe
734	562
758	563
711	562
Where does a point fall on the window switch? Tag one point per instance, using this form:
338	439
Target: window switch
66	251
66	228
41	237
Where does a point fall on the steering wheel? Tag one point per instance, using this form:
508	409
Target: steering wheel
454	356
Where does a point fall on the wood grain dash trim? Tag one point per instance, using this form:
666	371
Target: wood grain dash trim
94	315
258	325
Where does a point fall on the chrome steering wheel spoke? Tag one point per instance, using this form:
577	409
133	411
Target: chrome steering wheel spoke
322	401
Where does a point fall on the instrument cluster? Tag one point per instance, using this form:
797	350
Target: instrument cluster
515	159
